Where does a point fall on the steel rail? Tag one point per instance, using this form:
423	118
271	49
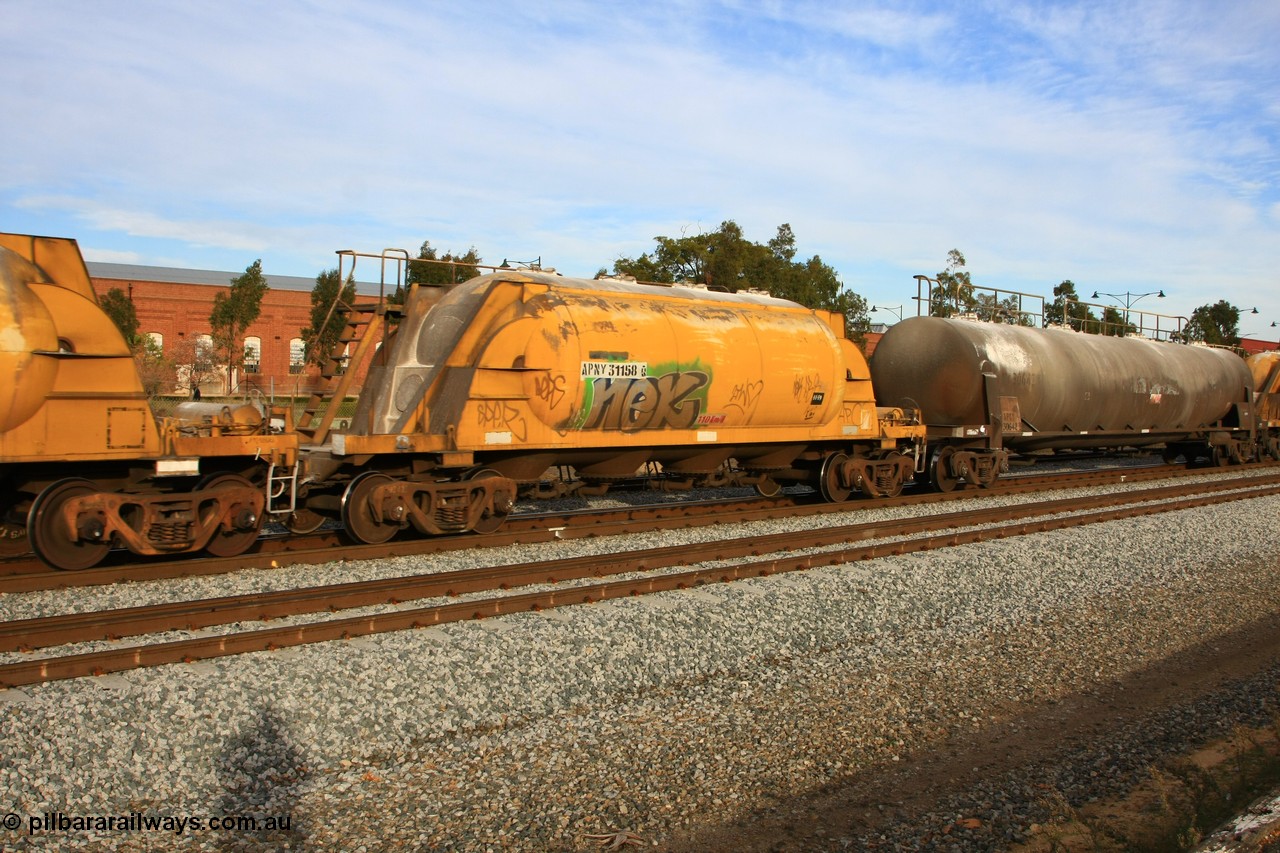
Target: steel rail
48	669
27	634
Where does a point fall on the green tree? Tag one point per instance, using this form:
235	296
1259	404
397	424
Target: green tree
1215	324
644	268
725	260
1116	324
326	322
432	268
954	291
673	259
194	361
156	372
234	312
1066	309
119	307
1009	311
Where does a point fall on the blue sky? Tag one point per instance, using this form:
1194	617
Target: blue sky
1129	147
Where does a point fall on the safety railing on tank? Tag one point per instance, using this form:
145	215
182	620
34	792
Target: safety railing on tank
997	305
395	288
459	271
978	302
1119	322
399	258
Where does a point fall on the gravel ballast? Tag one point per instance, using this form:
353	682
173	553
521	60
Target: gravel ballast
661	716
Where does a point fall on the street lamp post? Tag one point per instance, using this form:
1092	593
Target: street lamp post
1129	299
893	309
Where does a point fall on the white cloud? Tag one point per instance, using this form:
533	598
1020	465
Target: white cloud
1113	144
147	224
110	256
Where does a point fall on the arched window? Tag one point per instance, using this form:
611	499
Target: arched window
252	354
297	355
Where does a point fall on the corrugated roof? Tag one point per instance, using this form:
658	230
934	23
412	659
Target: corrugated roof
215	278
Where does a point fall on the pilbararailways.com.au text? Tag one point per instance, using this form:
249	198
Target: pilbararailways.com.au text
60	822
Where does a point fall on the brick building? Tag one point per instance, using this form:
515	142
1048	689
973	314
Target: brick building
1253	346
173	307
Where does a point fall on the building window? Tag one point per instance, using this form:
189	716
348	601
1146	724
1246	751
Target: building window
157	342
252	354
297	355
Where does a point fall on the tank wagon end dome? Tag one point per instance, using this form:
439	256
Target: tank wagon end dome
1263	366
920	347
26	328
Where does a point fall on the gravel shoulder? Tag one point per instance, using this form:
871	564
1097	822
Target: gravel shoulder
1039	764
857	707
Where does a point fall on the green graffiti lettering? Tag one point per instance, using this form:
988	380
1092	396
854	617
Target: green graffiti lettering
651	402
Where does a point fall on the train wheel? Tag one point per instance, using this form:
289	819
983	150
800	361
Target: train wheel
1221	456
829	485
48	534
303	521
231	543
940	471
358	517
492	521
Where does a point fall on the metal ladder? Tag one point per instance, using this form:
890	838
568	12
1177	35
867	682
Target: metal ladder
364	326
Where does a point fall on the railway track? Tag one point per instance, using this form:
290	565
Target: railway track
652	570
27	574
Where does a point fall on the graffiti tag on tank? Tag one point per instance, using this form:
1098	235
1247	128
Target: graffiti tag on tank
808	389
855	419
661	397
501	416
550	389
745	396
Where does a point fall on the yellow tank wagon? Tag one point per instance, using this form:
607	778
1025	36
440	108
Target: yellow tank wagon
487	385
84	464
1265	367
